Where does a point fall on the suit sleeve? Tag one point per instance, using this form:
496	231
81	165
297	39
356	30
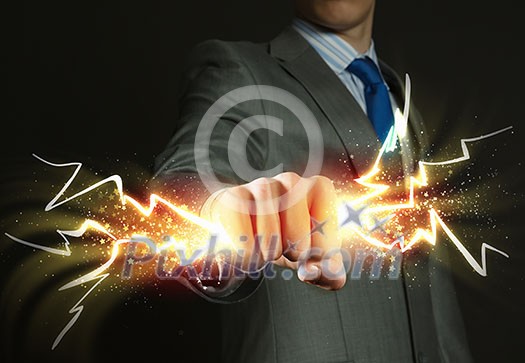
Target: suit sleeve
213	69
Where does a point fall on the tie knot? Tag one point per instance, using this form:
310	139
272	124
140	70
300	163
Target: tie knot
366	70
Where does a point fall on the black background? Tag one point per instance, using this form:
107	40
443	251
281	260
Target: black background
96	82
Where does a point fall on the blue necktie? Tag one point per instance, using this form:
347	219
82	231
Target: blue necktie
378	106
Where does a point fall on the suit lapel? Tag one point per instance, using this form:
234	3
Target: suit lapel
335	101
342	111
358	137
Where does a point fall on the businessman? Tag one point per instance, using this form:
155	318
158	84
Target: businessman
252	171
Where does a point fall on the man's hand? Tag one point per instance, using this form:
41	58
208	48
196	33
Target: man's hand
288	220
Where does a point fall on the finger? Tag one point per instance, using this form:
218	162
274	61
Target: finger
324	265
267	230
294	217
230	210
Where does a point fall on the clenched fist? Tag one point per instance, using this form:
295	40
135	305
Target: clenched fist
287	220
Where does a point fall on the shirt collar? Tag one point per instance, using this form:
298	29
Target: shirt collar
337	53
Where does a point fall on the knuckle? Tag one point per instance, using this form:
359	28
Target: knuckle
238	192
261	188
260	181
291	177
322	184
234	199
323	181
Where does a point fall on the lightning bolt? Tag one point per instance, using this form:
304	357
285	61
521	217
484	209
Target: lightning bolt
434	218
397	132
98	274
77	310
95	274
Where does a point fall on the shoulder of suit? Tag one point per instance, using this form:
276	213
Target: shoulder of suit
249	59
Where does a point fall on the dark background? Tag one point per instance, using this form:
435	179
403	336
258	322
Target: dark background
97	82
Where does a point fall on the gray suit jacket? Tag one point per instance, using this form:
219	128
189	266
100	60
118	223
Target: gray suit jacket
414	318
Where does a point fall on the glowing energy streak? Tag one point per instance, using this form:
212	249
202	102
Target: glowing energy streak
430	236
397	132
98	273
